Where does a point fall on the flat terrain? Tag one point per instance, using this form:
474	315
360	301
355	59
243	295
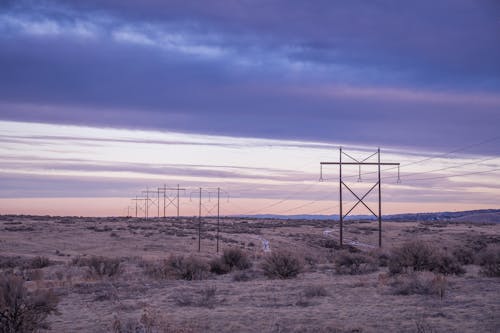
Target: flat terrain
319	299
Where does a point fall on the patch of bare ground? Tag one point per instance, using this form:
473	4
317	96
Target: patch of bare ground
135	275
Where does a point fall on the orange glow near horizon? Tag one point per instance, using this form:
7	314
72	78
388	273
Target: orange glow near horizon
102	207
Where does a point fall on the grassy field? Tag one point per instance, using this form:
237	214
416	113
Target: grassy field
134	275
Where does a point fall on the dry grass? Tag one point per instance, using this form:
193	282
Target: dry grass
161	269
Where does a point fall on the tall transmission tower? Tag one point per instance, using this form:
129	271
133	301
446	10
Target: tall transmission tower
342	184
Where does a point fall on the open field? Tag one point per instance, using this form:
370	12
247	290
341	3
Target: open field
140	294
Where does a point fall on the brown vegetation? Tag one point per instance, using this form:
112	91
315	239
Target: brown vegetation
282	264
422	256
22	311
307	283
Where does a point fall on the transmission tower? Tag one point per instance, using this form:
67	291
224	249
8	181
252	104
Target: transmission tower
172	200
210	192
137	207
342	184
150	200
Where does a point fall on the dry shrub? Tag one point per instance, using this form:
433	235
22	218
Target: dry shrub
464	255
206	297
381	256
100	266
11	262
236	258
232	258
24	263
218	266
282	264
422	256
315	291
150	322
22	311
246	275
422	283
423	326
354	263
40	262
178	267
489	260
329	243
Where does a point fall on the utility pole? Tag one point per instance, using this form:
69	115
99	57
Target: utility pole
178	202
199	223
218	217
341	216
342	184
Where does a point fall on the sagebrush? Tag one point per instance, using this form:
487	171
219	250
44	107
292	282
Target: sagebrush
22	311
422	256
282	264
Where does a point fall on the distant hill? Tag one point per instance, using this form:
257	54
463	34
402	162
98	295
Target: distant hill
482	216
479	216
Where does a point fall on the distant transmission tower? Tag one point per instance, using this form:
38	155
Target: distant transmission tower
172	200
209	191
342	184
138	207
150	200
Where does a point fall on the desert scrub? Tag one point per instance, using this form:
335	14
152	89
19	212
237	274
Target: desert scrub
354	263
24	263
178	267
464	255
40	262
421	283
231	259
489	260
149	322
315	291
205	297
282	265
100	266
22	311
422	256
381	256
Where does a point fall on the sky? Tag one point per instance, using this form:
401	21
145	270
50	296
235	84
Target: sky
100	100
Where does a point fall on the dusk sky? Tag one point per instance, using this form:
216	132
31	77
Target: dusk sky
100	100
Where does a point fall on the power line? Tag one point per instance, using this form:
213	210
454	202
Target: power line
279	202
456	150
298	207
458	175
450	167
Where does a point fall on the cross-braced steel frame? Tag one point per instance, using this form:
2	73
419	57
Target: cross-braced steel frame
342	184
168	199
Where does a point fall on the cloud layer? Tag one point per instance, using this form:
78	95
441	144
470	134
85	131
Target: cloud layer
417	75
